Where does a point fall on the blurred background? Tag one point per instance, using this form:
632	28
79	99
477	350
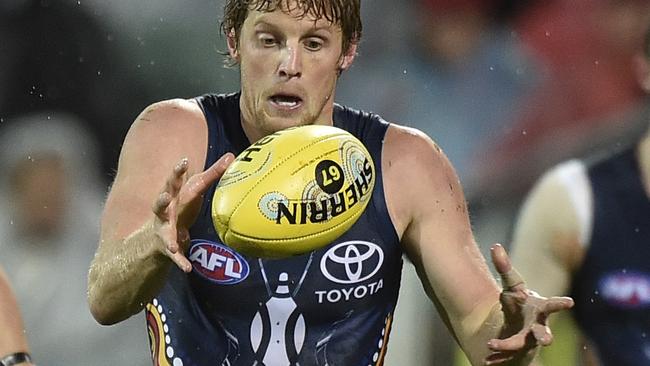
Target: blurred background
507	88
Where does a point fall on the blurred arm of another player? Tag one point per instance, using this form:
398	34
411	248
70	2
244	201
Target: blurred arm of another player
426	202
552	229
13	341
153	201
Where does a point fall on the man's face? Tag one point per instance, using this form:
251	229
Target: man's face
289	68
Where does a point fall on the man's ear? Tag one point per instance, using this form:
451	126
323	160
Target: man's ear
348	57
233	50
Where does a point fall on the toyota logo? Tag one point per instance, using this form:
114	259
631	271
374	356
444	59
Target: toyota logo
352	262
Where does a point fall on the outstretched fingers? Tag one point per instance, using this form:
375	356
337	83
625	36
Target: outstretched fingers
542	334
536	334
165	200
557	303
165	209
510	277
504	350
180	260
173	239
499	358
160	205
515	342
175	196
175	180
524	310
199	183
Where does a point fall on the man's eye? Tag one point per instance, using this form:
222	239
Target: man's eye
313	45
268	41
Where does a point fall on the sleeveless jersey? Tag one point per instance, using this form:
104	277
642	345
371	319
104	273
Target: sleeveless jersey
612	287
333	306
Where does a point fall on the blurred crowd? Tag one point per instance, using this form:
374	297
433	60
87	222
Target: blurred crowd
507	88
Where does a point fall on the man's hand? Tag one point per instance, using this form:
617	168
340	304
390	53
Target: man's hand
525	315
170	206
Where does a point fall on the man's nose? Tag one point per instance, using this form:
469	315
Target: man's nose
291	63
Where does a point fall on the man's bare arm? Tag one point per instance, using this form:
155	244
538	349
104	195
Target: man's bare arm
152	203
432	217
12	331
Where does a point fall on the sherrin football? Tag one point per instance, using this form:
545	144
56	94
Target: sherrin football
294	191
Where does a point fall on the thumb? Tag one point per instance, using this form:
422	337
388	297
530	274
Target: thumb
199	183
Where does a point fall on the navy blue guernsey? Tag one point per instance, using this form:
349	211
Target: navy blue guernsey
333	306
612	287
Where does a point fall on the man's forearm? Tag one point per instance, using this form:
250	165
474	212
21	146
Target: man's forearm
125	275
473	333
12	329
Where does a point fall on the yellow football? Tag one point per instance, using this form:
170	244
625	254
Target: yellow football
293	191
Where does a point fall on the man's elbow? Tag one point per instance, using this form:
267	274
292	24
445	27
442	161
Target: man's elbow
102	313
102	309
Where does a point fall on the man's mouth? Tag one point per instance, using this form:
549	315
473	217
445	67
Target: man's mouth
286	101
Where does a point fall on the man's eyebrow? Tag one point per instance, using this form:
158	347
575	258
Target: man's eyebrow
327	27
262	23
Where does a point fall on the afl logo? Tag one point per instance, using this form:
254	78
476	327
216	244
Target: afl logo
218	263
627	289
352	262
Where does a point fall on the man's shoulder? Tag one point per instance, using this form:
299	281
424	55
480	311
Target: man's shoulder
411	141
413	156
168	120
171	113
172	107
161	135
195	106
